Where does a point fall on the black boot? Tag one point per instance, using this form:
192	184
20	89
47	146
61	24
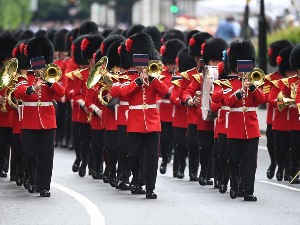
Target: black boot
271	171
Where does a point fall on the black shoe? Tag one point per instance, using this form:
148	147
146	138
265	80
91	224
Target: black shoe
163	168
125	186
180	175
13	178
271	171
3	174
25	183
97	175
82	171
71	146
233	193
249	197
105	178
151	195
75	166
240	193
279	176
209	182
112	182
202	180
175	173
216	184
193	177
19	181
223	188
286	177
30	188
91	172
45	193
137	189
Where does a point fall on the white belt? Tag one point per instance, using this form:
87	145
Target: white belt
123	103
145	106
225	108
294	106
167	101
243	109
37	103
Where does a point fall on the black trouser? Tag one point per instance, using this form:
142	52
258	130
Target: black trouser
223	158
193	148
111	142
165	140
216	160
295	151
243	151
82	141
123	151
5	141
271	144
68	122
206	151
137	143
40	144
97	148
282	143
60	122
17	156
181	146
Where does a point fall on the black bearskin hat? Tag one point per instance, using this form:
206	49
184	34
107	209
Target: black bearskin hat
295	57
50	35
283	60
76	51
240	50
275	48
89	45
26	34
106	32
19	53
185	61
40	33
196	41
108	41
125	58
212	49
169	50
134	29
59	40
40	46
7	44
189	35
155	35
87	27
113	55
18	33
70	37
173	34
140	43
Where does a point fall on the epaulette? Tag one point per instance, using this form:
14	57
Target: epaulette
217	82
275	83
161	77
185	75
268	77
69	75
198	77
176	82
285	81
125	77
226	83
77	73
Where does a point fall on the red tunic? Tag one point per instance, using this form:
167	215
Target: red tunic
142	119
266	90
166	108
187	79
243	124
5	117
63	81
180	112
281	120
37	117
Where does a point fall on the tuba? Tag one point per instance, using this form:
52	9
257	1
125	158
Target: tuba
7	78
51	73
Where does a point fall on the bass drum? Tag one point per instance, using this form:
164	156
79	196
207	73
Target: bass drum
209	76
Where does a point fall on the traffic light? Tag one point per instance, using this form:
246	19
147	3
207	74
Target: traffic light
174	8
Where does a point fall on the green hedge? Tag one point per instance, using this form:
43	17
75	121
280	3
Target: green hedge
291	33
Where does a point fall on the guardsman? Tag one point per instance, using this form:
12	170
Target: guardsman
273	52
194	50
281	124
7	43
38	114
143	125
168	53
243	127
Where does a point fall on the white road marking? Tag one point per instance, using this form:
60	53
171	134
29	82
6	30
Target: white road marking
281	185
93	211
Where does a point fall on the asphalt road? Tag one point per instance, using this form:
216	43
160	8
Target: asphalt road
84	201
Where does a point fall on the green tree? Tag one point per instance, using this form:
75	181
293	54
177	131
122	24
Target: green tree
14	13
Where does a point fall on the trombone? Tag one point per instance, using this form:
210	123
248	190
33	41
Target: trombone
154	69
255	77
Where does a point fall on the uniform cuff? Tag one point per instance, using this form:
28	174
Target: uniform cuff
238	95
138	82
30	90
252	87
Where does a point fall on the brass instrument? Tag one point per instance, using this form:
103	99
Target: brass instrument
13	102
7	75
256	77
52	73
283	101
153	69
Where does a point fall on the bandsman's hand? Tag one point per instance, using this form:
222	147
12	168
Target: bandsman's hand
38	84
196	100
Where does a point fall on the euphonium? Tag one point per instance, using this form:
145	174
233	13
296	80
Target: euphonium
52	73
7	74
13	102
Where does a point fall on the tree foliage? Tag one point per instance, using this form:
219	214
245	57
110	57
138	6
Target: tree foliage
14	13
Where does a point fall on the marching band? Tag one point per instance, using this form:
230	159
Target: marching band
124	99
